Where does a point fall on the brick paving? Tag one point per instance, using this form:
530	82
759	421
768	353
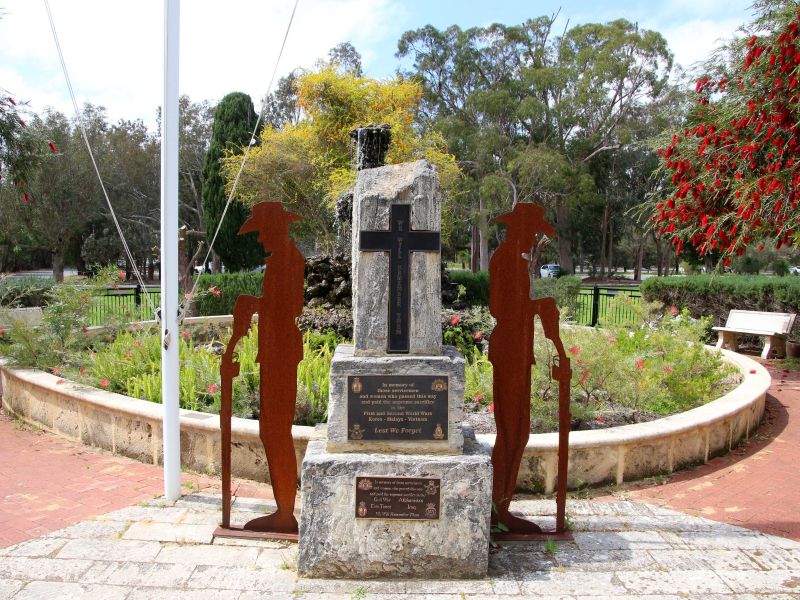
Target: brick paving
758	484
47	482
622	550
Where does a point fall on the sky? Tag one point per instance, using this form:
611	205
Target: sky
113	49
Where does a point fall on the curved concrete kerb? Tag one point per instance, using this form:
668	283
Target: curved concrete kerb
133	428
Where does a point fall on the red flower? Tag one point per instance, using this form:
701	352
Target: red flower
25	197
213	388
185	335
215	291
600	419
82	370
667	369
85	329
584	376
129	354
53	148
639	363
612	340
455	320
574	350
2	331
477	336
491	407
580	362
137	343
104	383
752	371
673	310
57	371
121	274
479	397
60	381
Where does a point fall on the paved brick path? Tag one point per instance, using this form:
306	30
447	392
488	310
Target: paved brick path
758	484
47	482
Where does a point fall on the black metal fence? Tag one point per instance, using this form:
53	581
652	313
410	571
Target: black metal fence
597	303
126	302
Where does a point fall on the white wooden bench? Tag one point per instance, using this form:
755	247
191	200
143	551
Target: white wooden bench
773	327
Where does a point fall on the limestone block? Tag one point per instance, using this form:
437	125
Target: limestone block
376	190
335	543
450	364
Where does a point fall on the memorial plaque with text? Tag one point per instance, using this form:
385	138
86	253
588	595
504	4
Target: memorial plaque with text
407	498
397	407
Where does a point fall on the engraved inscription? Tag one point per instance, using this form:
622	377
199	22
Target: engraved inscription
398	498
397	407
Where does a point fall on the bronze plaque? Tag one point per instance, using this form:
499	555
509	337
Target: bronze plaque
407	498
397	407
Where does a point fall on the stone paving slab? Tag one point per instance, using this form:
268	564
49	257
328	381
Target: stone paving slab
622	551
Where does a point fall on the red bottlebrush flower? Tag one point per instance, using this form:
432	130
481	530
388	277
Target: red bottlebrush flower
584	376
57	371
667	369
2	331
455	320
491	407
600	419
612	340
185	335
580	362
727	261
121	274
85	329
215	291
25	197
477	336
53	148
479	397
760	247
137	343
574	350
673	310
104	383
129	354
82	370
639	363
60	381
213	388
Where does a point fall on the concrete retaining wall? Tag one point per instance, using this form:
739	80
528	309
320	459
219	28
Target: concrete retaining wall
133	428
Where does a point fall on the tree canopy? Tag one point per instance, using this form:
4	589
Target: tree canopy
733	171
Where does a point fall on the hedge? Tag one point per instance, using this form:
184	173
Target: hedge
564	289
230	286
476	286
716	295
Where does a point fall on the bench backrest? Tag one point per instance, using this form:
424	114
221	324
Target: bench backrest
760	321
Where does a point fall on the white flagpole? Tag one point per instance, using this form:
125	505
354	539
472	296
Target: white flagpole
170	335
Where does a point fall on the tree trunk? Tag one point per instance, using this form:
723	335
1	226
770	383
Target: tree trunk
58	266
603	241
483	234
637	266
216	263
610	247
475	248
564	244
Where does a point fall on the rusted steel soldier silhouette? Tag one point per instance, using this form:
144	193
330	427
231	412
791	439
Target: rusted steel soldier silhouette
511	354
280	349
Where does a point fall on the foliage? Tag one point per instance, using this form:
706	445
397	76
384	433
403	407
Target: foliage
716	295
22	292
217	292
620	375
734	168
308	163
476	286
467	330
63	331
234	121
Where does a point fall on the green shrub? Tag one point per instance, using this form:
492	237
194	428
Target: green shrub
780	267
25	292
217	292
476	286
717	295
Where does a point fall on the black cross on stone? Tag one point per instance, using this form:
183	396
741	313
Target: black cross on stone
399	242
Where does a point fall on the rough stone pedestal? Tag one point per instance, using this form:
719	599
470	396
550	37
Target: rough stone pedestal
335	543
450	365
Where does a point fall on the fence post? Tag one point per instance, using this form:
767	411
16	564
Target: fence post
595	305
137	295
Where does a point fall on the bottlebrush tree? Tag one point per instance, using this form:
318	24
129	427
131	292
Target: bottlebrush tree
733	173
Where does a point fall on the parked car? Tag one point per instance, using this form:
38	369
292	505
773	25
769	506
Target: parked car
794	270
550	271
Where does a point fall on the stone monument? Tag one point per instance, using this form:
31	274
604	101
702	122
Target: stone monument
396	487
